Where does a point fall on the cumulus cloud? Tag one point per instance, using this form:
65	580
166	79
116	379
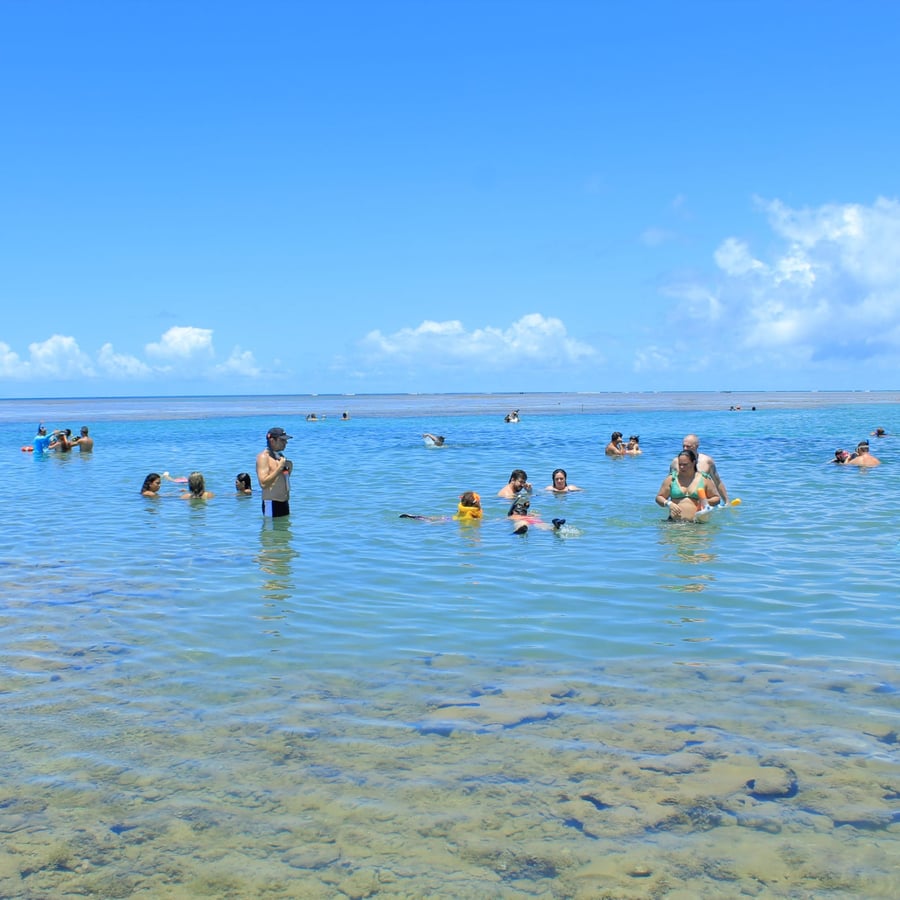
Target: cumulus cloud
121	365
59	357
11	365
828	290
533	339
180	351
241	362
182	342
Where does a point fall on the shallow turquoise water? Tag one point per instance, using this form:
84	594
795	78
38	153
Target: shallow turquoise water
173	672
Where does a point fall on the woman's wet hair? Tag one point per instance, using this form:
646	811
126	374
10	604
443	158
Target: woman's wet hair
153	476
690	454
196	484
559	472
243	479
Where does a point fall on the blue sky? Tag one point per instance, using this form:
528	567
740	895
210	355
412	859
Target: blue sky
348	197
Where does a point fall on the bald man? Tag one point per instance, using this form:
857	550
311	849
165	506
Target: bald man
705	464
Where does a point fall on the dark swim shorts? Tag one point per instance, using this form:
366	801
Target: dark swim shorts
276	508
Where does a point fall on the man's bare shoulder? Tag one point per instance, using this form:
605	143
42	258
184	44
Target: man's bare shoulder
264	460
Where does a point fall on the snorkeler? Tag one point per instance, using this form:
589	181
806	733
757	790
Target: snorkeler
522	518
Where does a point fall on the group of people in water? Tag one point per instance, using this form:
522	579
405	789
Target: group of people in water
273	471
519	490
692	488
862	456
194	486
60	440
315	417
617	446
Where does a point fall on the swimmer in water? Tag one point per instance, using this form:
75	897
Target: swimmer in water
522	518
615	447
469	507
863	459
687	492
559	483
153	482
518	482
196	488
467	510
151	485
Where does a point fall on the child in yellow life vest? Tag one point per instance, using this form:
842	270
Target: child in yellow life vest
468	510
469	507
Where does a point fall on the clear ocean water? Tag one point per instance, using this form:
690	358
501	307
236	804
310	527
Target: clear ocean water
200	703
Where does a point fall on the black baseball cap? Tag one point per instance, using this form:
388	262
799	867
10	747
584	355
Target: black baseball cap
278	432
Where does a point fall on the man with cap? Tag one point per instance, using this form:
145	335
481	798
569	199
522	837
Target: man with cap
273	472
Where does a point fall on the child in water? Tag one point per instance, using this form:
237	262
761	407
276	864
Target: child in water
469	507
467	510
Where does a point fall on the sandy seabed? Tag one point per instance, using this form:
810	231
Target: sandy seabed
449	779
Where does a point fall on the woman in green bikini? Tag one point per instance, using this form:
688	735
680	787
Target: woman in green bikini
686	492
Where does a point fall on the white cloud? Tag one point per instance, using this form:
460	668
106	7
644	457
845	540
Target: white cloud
182	343
121	365
58	357
653	359
828	291
241	362
696	300
533	339
733	257
180	351
11	366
